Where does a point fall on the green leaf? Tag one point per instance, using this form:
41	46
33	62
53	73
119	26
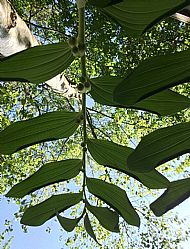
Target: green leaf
138	16
115	197
163	103
177	192
48	174
40	213
104	3
115	156
68	224
152	76
47	127
89	229
107	218
159	147
36	64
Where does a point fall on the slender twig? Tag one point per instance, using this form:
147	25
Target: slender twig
93	128
106	135
47	28
103	114
61	150
68	102
91	125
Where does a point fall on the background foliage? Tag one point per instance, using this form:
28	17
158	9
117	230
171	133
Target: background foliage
110	52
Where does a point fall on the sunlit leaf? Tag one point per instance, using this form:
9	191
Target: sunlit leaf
36	64
138	16
40	213
152	76
159	147
115	197
108	219
48	174
177	192
89	228
47	127
68	224
103	3
115	156
163	103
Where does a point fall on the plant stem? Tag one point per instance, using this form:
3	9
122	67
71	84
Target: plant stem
81	40
81	29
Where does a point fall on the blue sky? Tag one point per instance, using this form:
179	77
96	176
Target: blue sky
38	238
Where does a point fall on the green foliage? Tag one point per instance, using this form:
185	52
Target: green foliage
37	215
31	64
48	174
177	192
107	218
104	3
138	16
164	103
116	198
115	156
47	127
68	224
160	146
152	76
89	228
143	88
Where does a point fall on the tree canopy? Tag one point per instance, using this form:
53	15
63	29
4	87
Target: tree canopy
116	155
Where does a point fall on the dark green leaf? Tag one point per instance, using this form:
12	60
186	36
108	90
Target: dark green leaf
115	156
48	174
39	214
47	127
68	224
176	193
89	229
163	103
36	64
107	218
103	3
159	147
152	76
138	16
115	197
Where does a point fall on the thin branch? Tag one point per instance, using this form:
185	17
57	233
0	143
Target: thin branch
68	102
46	28
103	114
106	135
91	125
